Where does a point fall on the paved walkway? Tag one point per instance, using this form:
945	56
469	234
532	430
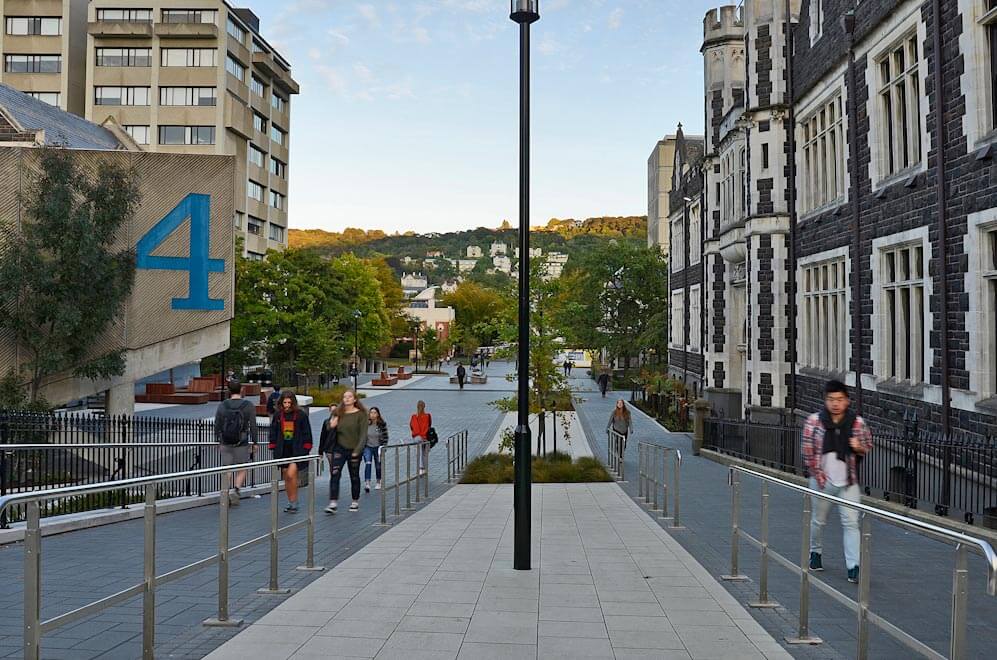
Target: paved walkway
607	582
903	564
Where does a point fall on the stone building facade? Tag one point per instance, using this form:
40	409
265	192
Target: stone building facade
851	195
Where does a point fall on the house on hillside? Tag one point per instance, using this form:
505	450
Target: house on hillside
474	252
498	249
413	283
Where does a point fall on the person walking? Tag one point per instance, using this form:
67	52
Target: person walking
461	374
621	422
350	422
603	381
290	436
420	423
566	366
235	431
272	400
377	437
834	441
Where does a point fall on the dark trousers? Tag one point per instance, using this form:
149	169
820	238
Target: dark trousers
337	458
460	381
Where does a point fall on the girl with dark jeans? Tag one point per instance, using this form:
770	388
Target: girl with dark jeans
350	423
377	437
290	436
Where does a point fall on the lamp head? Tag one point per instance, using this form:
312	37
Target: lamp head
524	11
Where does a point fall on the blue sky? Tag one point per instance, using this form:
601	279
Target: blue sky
407	117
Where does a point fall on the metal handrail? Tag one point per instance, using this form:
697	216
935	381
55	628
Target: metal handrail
963	543
456	455
35	627
616	447
409	477
652	478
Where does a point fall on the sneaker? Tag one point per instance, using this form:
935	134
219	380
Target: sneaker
332	508
292	507
377	486
853	575
366	487
422	471
355	507
233	497
815	562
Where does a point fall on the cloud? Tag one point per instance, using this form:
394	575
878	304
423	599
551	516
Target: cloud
369	13
421	35
314	54
338	37
358	82
615	19
549	46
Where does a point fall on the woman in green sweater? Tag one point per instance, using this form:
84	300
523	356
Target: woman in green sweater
349	423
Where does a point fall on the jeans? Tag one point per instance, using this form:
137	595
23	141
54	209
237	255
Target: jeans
849	520
421	453
337	458
371	455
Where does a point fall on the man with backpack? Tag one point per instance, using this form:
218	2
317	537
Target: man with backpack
235	431
272	400
461	374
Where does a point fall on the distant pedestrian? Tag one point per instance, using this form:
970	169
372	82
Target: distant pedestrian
290	436
272	400
235	431
571	366
461	375
834	441
603	381
355	375
621	422
566	367
419	424
349	420
377	437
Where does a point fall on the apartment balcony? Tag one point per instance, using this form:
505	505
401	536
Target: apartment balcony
186	30
267	64
120	30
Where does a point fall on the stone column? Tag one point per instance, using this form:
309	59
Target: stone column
121	399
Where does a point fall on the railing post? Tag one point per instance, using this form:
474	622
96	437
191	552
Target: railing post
223	552
32	582
959	599
735	527
408	477
3	481
310	522
149	576
763	571
383	456
449	464
677	491
803	633
640	471
664	485
425	449
397	487
273	588
865	581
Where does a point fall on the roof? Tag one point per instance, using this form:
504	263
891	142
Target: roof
60	128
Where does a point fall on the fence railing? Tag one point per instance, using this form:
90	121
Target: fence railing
34	627
672	408
652	480
866	618
456	455
418	477
951	476
616	448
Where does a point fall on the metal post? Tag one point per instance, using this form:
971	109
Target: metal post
223	553
425	448
664	486
397	486
32	582
274	506
959	597
803	636
677	490
310	524
865	581
449	464
735	528
654	479
149	576
408	477
763	571
383	454
640	471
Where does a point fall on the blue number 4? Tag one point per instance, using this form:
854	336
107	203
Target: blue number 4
198	209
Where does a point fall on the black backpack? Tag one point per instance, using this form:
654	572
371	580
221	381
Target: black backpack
233	426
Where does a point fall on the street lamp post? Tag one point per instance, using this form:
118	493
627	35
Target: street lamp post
524	12
356	348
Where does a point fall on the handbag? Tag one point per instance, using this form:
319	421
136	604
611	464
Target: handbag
432	436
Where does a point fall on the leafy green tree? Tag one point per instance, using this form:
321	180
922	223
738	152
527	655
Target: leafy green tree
65	284
478	310
431	346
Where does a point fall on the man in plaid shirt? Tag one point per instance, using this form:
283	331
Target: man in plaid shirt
834	440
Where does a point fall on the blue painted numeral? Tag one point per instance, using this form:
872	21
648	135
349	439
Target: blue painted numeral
198	209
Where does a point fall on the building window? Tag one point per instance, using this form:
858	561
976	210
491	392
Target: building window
32	63
189	57
234	67
255	190
121	95
125	15
34	25
239	219
989	273
765	156
187	96
825	331
823	156
187	135
900	106
677	243
816	20
278	168
677	321
139	133
255	256
255	226
694	318
235	31
278	201
190	16
257	48
256	156
124	57
259	123
52	98
257	87
276	134
695	240
277	233
902	277
278	103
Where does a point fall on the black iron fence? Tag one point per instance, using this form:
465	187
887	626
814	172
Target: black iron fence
949	476
672	409
47	451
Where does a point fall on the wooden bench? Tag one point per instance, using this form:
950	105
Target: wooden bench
166	393
206	385
386	380
401	375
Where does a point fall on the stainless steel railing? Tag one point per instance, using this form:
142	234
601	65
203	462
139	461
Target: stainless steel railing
456	455
35	627
421	480
616	448
652	479
963	544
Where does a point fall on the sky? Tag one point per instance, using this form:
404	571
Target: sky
408	112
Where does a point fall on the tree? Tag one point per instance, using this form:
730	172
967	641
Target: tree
476	310
64	283
432	347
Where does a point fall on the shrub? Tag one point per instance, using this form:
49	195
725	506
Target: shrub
553	469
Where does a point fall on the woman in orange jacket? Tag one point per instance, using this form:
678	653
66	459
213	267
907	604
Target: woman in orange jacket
420	423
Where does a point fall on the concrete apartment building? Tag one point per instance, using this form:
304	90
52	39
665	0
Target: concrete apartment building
44	50
660	165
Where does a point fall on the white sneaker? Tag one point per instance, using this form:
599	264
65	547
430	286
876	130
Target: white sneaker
366	486
377	486
333	506
422	471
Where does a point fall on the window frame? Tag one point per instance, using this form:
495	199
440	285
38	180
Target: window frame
129	57
29	22
131	130
677	341
192	96
33	62
824	294
127	15
192	135
193	57
253	149
235	68
252	185
128	95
